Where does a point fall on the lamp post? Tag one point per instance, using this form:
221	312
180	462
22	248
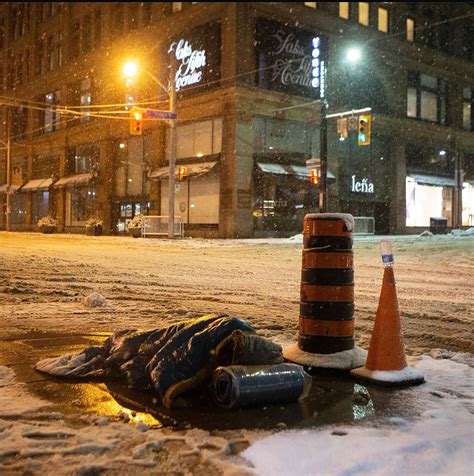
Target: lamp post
130	70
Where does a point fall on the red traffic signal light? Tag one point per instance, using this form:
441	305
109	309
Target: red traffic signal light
136	122
314	176
363	130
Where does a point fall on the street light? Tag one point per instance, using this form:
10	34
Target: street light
353	55
130	71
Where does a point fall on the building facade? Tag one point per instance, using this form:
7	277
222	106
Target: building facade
249	80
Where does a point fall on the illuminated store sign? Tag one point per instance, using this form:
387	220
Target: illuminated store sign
190	64
290	60
361	186
197	55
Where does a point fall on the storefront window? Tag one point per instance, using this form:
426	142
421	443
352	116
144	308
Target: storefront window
126	211
18	213
39	205
427	201
196	199
80	205
468	204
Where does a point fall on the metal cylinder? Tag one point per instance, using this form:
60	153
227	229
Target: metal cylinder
326	323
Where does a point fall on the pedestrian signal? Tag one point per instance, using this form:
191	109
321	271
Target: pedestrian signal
363	131
136	122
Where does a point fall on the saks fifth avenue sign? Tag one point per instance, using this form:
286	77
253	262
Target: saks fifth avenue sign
290	60
197	57
361	186
190	64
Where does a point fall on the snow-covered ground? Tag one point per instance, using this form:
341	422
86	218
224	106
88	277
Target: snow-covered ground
44	280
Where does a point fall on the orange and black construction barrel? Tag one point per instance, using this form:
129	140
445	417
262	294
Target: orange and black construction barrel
326	323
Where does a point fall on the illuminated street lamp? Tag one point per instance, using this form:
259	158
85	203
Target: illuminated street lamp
130	71
353	55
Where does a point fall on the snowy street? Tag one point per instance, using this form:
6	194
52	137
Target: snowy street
148	283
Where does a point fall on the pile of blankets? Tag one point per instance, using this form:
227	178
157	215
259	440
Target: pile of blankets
169	361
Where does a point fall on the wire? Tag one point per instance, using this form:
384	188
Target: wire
107	114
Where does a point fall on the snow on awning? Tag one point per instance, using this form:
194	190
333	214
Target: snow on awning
38	184
433	180
74	181
192	170
15	187
284	169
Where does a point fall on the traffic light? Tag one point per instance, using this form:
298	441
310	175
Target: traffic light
314	176
182	173
363	130
136	122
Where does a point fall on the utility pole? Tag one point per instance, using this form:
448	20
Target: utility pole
323	140
172	169
458	181
9	175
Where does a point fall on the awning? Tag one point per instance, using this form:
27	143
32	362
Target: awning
191	170
74	181
15	187
38	184
284	169
433	180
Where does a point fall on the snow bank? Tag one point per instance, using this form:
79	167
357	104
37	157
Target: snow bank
468	232
439	441
95	300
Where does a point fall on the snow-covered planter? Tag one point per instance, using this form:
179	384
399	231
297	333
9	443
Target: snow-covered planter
47	224
94	227
135	226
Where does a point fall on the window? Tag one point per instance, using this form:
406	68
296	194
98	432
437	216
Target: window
85	157
383	20
344	10
19	122
97	27
199	139
176	6
51	116
55	53
132	17
311	4
410	29
85	99
146	13
426	98
75	39
467	109
364	13
86	34
117	25
80	202
39	205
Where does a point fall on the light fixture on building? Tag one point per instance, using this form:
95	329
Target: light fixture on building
122	145
199	155
442	152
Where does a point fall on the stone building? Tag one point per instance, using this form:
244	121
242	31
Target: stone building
249	101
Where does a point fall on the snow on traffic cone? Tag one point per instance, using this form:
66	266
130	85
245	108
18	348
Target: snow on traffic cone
386	363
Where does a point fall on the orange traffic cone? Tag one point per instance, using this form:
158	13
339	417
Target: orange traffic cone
386	362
